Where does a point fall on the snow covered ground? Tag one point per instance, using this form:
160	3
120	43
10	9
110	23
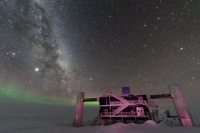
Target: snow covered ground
21	117
53	125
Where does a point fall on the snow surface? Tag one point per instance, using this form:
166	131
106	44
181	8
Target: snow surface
54	125
40	118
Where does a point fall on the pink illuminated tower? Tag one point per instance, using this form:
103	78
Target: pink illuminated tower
181	107
79	109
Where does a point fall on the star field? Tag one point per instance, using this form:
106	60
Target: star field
56	48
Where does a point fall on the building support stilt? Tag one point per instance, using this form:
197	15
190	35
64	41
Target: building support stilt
181	107
79	109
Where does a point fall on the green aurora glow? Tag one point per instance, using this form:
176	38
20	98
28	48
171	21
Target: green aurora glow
12	92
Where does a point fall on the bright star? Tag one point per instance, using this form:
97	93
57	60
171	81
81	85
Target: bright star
36	69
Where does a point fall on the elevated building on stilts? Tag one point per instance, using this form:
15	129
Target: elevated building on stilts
135	108
127	107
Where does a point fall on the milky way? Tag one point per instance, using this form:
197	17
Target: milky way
33	21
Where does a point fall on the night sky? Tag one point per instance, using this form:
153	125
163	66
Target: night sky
53	49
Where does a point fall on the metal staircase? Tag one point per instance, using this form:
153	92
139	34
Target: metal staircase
118	97
119	109
123	105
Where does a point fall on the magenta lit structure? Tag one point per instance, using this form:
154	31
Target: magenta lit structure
181	107
79	109
135	107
